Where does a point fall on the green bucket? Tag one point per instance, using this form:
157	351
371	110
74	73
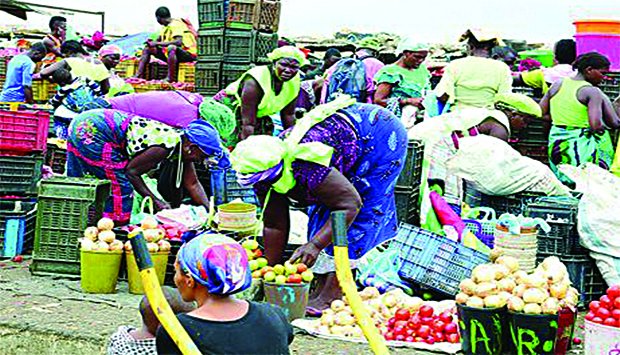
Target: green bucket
160	261
292	298
544	56
99	271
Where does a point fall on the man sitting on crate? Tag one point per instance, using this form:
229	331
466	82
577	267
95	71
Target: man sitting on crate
18	84
176	44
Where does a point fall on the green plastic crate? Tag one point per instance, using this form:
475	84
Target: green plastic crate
232	72
66	207
263	44
208	79
236	14
19	175
225	45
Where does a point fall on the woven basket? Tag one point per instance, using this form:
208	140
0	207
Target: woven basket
521	246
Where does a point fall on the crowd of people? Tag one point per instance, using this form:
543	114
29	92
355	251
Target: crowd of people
327	138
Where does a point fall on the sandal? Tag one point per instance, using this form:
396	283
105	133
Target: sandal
313	312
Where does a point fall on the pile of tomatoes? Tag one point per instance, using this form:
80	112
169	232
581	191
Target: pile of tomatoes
423	326
606	310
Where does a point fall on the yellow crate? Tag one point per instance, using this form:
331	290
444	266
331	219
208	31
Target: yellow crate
187	73
43	90
127	68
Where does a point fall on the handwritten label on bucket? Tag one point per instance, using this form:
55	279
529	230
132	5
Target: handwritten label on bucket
484	338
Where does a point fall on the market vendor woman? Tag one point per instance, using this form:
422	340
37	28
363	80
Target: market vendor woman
121	147
339	156
266	91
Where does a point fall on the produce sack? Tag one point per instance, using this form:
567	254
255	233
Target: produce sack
598	222
495	168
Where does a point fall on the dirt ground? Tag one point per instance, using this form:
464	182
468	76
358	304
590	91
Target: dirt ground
45	315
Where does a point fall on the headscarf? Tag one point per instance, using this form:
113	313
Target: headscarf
535	79
258	158
288	52
520	103
369	43
110	49
207	139
219	116
409	45
216	262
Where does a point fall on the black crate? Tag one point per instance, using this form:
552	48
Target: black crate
262	45
407	204
237	14
225	45
22	212
536	133
232	73
19	175
208	77
56	158
513	204
611	85
539	152
411	175
561	215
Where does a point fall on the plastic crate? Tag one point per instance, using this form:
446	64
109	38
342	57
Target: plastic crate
224	188
43	90
23	131
156	71
19	175
611	85
56	158
211	44
262	45
237	14
17	216
238	46
513	204
411	175
267	16
536	133
232	73
186	73
67	206
127	68
433	261
538	152
407	205
208	77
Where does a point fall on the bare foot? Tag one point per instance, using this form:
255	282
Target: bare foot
327	290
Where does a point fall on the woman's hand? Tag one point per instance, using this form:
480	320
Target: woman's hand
161	205
417	102
307	254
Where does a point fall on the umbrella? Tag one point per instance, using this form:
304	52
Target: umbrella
15	8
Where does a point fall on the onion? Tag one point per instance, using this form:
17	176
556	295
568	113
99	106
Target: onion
413	304
559	290
483	273
151	235
532	308
106	236
505	296
329	311
102	246
344	318
520	276
164	245
148	222
494	301
515	304
372	292
556	273
389	300
152	247
534	295
510	262
337	330
461	298
550	306
501	271
507	284
128	246
105	224
475	302
546	264
519	290
535	280
91	233
116	245
495	254
486	289
468	286
337	305
87	244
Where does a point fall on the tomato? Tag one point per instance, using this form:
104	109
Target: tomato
419	340
594	305
598	320
400	338
402	314
451	328
439	337
590	316
430	341
606	302
616	314
617	303
611	322
427	320
414	324
389	336
424	331
613	292
426	311
399	331
446	317
438	325
409	332
453	338
603	313
390	322
401	323
409	339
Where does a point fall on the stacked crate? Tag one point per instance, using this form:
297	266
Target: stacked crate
407	190
234	35
23	139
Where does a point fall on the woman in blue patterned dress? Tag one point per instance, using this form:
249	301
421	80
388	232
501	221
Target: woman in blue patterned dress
339	156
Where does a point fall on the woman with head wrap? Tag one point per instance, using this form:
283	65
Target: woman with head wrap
474	81
405	82
264	91
110	56
210	269
339	156
121	147
565	53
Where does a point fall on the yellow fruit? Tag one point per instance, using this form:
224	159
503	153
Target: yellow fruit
91	233
105	224
107	236
148	222
164	245
152	247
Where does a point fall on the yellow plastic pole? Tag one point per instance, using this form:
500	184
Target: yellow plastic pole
345	279
156	297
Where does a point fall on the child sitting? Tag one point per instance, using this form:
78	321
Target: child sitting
129	340
209	270
75	96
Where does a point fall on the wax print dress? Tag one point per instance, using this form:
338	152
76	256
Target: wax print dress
369	149
101	143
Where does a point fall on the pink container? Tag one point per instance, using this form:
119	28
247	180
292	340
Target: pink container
606	44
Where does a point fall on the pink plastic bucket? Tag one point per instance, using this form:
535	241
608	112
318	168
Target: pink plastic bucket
606	44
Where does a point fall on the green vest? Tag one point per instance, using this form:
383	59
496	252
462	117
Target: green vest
271	103
566	110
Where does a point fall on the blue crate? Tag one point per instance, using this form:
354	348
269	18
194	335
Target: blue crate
433	261
225	188
17	226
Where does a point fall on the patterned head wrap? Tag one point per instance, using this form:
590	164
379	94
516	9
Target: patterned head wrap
520	103
110	49
371	43
219	116
207	139
216	262
409	45
288	52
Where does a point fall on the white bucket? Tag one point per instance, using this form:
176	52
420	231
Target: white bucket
601	339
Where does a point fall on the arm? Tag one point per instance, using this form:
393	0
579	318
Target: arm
56	101
28	94
381	95
251	95
288	114
337	194
94	86
49	44
276	227
611	114
176	40
593	98
143	163
545	103
27	83
49	71
193	185
104	86
517	80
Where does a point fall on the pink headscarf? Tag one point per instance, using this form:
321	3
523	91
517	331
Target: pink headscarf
110	49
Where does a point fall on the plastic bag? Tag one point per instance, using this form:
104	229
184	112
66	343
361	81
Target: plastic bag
136	218
189	217
381	270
